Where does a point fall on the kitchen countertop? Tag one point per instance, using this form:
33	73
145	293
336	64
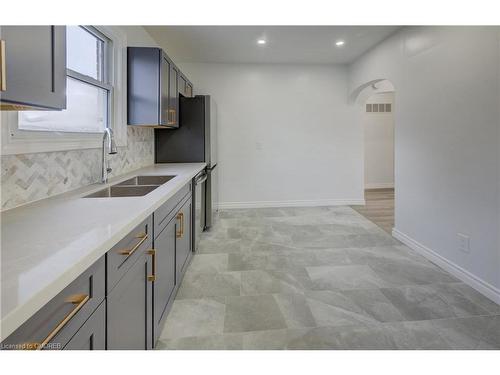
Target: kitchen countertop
48	244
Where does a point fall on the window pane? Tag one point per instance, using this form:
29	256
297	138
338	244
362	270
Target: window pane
84	52
86	111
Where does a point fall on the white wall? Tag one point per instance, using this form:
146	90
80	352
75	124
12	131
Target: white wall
447	143
286	134
137	36
379	144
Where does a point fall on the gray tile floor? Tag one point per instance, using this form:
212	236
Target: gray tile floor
320	278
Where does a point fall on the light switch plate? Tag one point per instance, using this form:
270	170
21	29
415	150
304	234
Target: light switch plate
463	242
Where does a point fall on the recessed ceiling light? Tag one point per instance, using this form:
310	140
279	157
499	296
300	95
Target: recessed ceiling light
339	43
261	41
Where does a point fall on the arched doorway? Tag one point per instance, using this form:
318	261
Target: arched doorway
375	104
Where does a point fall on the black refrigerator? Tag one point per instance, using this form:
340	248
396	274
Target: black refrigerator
194	141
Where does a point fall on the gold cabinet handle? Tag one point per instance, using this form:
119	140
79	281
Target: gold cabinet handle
171	116
180	217
79	300
3	67
152	277
143	237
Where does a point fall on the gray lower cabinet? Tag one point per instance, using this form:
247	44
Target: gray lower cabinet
183	247
122	301
92	335
173	246
32	67
165	283
129	295
129	324
53	326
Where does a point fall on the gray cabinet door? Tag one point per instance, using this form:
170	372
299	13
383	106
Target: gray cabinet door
35	67
189	90
164	284
92	335
184	241
164	90
143	85
129	304
182	85
173	97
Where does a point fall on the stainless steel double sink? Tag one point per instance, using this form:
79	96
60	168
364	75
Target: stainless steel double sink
137	186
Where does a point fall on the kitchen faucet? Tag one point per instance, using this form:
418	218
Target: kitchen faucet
111	149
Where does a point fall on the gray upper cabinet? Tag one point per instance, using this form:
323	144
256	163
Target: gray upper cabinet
144	86
189	90
33	67
173	109
164	91
153	88
182	85
185	87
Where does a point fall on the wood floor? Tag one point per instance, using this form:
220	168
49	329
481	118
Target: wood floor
379	208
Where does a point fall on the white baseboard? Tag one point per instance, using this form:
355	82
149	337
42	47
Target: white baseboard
380	185
299	203
468	278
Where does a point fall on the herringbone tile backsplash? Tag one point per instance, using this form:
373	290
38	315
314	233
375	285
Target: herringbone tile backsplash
30	177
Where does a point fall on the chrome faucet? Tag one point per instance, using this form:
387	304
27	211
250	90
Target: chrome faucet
111	149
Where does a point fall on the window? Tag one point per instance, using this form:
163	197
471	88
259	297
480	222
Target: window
88	89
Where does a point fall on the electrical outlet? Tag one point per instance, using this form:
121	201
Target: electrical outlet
463	243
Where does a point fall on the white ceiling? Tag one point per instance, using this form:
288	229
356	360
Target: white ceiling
285	44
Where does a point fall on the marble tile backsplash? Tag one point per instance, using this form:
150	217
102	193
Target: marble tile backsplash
30	177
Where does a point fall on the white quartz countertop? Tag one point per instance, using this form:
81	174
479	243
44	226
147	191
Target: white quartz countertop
48	244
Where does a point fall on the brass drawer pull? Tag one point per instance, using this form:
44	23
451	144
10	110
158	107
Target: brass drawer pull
79	300
180	217
3	67
152	277
143	237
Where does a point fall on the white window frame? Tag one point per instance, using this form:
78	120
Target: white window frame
16	141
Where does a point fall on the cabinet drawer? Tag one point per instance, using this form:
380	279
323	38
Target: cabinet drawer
92	335
54	324
163	214
124	254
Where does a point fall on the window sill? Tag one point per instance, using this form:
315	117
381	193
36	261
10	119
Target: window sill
16	142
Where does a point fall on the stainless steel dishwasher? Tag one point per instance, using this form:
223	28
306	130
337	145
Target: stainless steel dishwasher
199	207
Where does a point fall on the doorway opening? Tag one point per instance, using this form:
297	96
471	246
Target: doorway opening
376	104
